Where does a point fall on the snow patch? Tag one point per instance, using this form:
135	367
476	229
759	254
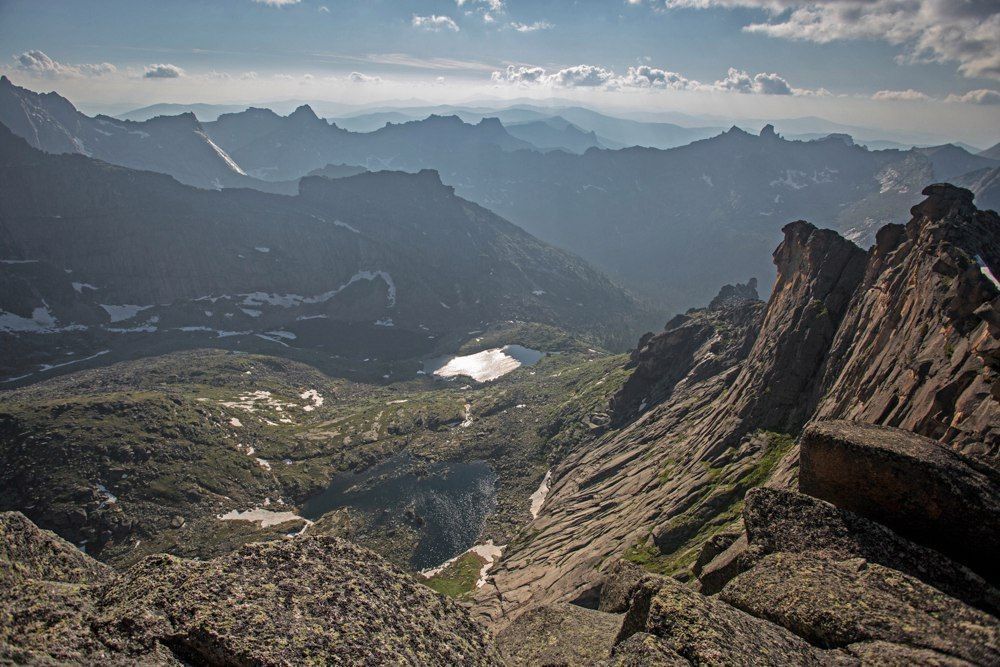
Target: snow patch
487	365
488	551
79	287
311	395
294	300
222	154
538	497
123	312
264	517
987	272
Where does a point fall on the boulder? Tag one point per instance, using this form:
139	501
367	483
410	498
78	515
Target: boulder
559	634
792	522
705	630
739	557
645	650
619	582
886	654
293	601
318	600
912	484
836	604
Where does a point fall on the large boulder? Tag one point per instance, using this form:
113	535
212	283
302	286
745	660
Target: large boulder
559	634
912	484
645	650
318	600
297	601
705	630
836	604
779	520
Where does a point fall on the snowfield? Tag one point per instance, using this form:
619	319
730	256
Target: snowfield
485	366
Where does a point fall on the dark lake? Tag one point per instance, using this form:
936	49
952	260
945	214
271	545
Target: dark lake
453	499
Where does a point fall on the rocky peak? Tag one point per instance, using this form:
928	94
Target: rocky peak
735	295
767	132
304	114
944	200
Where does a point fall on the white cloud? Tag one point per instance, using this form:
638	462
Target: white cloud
960	31
908	95
530	27
249	76
163	71
983	96
647	77
324	9
277	3
434	22
488	10
358	77
37	63
582	76
520	75
738	81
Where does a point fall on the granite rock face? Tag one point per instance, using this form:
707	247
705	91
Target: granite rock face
905	335
920	346
302	600
559	634
912	484
785	521
835	604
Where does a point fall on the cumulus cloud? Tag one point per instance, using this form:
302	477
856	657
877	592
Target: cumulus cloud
37	63
163	71
434	22
647	77
520	75
358	77
530	27
960	31
983	96
488	10
738	81
908	95
582	76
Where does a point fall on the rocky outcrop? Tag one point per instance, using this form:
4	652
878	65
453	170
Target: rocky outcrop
735	295
920	346
705	630
303	600
909	483
786	521
645	650
903	335
559	634
836	604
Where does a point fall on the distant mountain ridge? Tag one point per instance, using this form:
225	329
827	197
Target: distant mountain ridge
175	145
101	255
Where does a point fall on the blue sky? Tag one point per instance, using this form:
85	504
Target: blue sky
924	62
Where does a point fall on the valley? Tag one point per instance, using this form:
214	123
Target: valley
432	385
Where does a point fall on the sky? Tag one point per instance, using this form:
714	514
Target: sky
921	65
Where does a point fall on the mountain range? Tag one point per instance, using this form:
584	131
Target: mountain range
667	225
386	261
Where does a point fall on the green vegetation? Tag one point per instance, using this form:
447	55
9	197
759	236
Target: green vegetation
719	507
460	577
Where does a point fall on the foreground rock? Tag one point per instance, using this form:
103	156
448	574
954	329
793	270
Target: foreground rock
837	604
785	521
911	484
705	630
559	634
304	600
